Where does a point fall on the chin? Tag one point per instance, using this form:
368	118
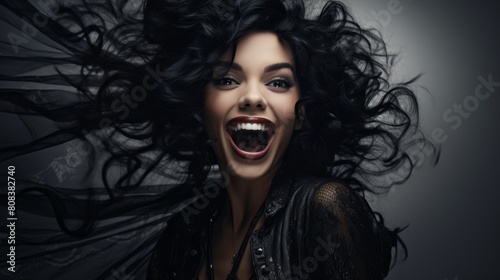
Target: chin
248	172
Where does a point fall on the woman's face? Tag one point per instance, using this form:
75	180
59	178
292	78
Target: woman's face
250	110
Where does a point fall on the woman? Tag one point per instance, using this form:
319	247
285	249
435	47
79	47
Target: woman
291	104
290	99
250	113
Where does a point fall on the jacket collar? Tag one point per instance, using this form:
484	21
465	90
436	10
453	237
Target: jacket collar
282	188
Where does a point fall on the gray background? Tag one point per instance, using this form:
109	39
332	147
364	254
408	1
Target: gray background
451	209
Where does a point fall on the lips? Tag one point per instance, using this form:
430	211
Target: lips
250	137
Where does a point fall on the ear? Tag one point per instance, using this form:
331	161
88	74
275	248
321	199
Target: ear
299	120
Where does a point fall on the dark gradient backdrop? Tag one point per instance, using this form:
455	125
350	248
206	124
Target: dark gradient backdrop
452	209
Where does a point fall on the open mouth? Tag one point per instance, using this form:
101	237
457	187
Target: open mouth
250	136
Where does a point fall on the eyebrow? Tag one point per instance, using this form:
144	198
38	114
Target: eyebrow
226	65
237	67
278	66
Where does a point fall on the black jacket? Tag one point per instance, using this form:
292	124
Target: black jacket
314	229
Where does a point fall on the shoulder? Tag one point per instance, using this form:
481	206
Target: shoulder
327	195
334	206
334	198
332	193
342	218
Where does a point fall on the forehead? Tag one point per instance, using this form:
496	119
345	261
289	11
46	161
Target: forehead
262	48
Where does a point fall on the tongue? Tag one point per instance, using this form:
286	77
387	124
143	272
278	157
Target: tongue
251	141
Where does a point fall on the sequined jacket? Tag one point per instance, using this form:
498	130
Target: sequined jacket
314	229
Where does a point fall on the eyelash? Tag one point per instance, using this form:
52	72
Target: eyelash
229	81
285	84
220	82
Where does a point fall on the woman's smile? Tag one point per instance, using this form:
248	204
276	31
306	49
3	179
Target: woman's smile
250	137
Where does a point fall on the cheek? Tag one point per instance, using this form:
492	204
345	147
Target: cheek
216	108
218	103
285	110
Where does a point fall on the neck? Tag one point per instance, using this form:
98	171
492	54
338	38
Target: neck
245	198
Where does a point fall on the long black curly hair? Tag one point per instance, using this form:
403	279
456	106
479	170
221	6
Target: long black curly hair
144	67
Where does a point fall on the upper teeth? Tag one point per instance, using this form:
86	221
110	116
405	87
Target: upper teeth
249	126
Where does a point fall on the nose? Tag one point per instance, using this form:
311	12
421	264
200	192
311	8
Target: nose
252	98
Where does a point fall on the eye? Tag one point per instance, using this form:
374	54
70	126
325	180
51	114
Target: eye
225	81
280	83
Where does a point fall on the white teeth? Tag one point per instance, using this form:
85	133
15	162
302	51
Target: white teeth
249	126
